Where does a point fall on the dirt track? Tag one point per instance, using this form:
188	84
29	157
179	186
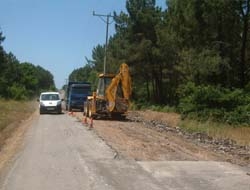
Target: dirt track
148	135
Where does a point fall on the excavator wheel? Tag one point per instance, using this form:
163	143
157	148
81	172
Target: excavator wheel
86	108
89	113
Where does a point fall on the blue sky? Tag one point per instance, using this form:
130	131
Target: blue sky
56	34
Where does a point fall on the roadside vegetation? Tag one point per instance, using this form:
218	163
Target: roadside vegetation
12	113
238	134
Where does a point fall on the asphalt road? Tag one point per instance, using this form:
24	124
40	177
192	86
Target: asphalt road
60	153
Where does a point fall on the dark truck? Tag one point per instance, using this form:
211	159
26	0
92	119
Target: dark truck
76	94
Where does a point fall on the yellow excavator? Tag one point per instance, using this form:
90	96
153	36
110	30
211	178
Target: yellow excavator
111	98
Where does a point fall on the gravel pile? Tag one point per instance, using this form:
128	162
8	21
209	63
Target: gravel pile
240	154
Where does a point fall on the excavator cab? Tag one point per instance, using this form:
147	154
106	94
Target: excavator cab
104	81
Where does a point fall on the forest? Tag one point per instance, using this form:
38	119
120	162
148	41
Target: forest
21	81
194	57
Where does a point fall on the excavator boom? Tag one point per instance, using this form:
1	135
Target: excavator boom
123	80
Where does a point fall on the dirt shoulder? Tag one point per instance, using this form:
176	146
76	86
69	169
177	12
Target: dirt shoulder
12	115
155	136
14	142
16	118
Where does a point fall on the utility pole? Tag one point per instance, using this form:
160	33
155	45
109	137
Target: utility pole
107	31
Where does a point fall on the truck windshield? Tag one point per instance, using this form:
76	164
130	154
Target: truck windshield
80	90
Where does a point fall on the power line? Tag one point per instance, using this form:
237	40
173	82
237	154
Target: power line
108	16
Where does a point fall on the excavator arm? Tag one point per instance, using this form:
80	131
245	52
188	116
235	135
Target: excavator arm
122	78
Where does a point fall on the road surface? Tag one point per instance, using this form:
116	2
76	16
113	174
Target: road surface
60	153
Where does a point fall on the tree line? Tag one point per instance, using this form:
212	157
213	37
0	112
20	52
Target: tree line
194	56
21	81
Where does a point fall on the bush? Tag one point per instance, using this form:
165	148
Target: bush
241	115
17	92
216	103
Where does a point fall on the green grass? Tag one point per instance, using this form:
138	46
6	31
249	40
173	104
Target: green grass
218	130
239	134
144	106
14	111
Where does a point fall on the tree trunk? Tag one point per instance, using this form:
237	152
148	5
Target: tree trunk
245	18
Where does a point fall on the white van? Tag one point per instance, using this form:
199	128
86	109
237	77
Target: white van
50	102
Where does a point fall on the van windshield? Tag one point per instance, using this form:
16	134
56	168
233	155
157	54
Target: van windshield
50	97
